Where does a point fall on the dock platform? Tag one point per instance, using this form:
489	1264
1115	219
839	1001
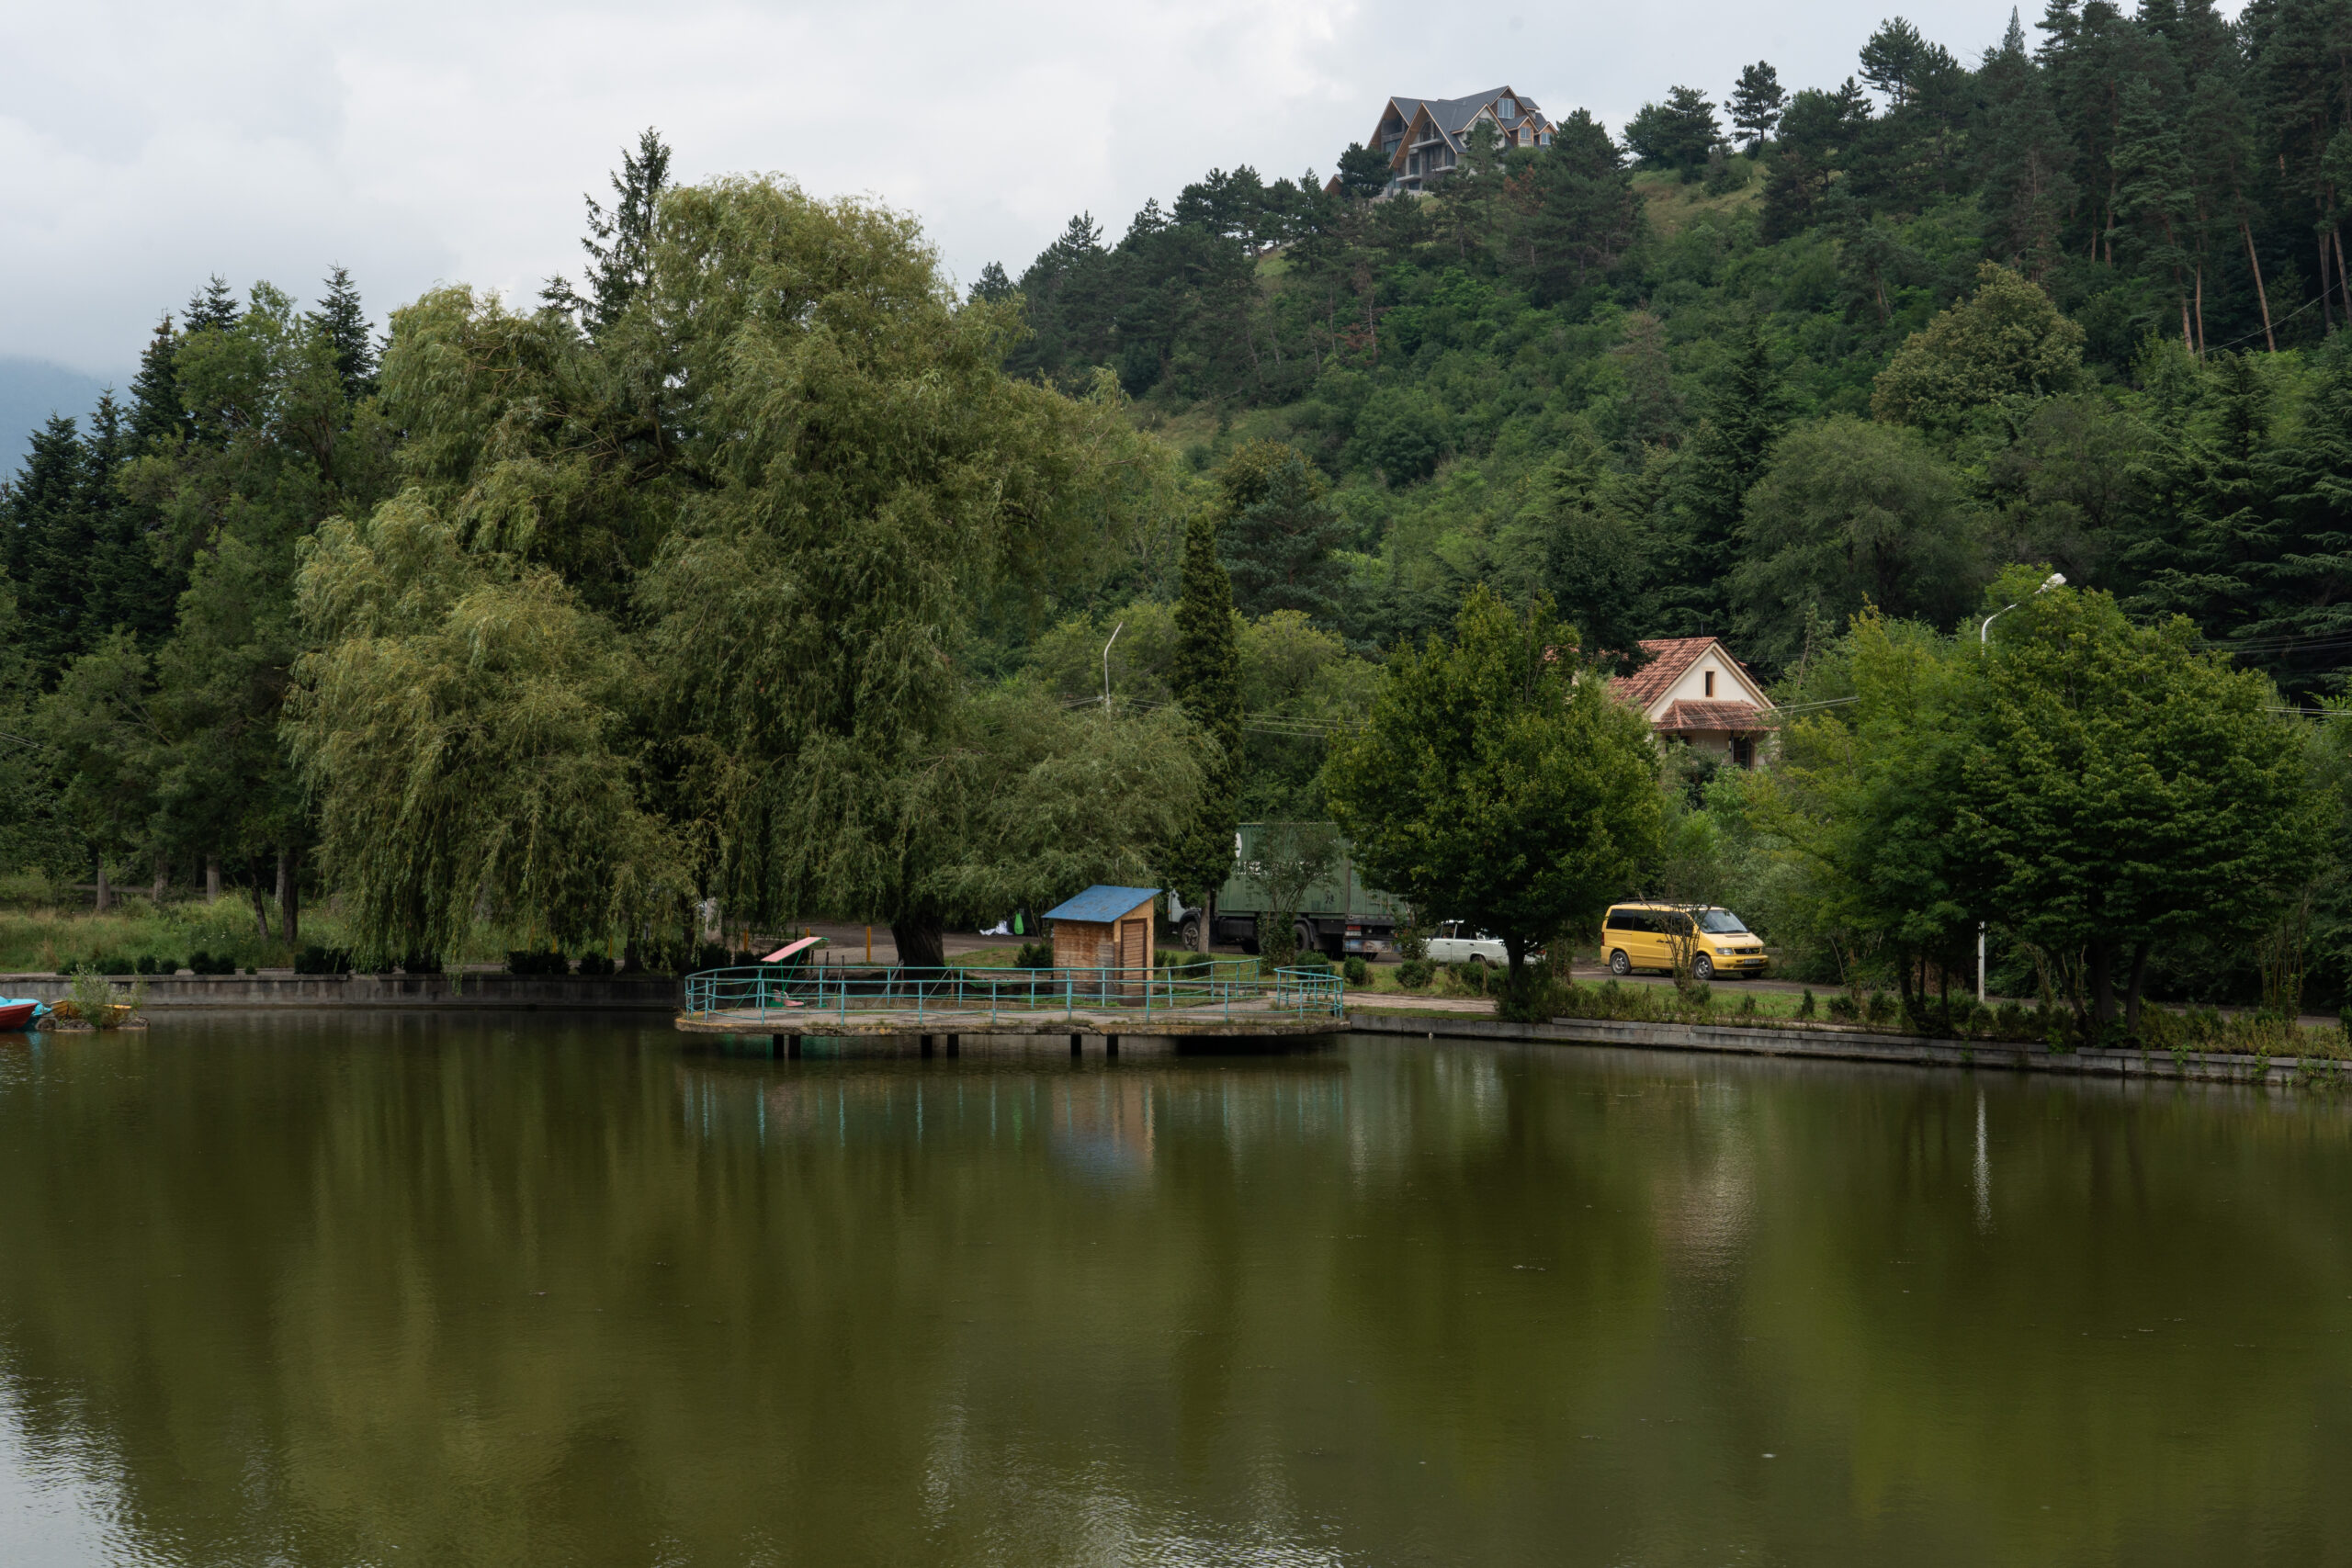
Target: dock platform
1226	1000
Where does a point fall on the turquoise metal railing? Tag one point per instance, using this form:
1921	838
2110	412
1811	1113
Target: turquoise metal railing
778	995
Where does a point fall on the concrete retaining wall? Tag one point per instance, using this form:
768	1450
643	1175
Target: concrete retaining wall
1855	1045
599	993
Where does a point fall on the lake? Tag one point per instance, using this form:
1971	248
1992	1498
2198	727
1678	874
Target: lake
407	1289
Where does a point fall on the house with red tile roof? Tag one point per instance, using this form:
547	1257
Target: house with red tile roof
1693	691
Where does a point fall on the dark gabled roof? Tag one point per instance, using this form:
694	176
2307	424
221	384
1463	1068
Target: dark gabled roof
1103	903
1453	116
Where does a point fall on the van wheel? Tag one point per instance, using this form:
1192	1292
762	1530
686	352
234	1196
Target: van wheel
1190	934
1618	964
1703	969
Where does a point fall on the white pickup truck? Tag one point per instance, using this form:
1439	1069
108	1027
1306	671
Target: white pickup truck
1456	941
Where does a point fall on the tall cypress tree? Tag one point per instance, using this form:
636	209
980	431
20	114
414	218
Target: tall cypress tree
1207	679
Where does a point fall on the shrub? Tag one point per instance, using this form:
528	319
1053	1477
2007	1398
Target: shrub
202	962
1357	970
1881	1010
1842	1009
2009	1021
595	964
1748	1005
1806	1007
1467	979
554	962
317	960
1035	955
1415	973
421	963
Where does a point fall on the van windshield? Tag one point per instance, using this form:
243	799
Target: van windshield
1723	922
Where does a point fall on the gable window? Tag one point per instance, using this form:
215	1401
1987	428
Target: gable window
1508	109
1711	683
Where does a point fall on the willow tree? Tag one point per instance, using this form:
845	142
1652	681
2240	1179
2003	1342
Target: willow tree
705	577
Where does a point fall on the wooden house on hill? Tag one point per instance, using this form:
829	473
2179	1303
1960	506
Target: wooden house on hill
1693	690
1103	927
1423	139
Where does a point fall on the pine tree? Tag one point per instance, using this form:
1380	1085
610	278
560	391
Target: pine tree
1895	59
2300	585
992	284
620	242
1206	678
1278	533
213	306
1747	411
156	410
2153	192
49	546
1574	210
2027	193
1676	133
344	324
1757	102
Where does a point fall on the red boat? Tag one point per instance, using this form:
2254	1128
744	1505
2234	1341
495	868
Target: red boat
16	1014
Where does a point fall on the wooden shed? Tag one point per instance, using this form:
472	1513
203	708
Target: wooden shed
1105	927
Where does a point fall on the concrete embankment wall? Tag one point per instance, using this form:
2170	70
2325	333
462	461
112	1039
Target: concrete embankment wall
600	993
1855	1045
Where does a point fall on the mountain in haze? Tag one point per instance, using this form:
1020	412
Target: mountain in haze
30	390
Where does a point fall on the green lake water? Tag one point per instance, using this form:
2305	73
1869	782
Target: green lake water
410	1291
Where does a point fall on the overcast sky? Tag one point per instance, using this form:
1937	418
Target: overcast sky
145	145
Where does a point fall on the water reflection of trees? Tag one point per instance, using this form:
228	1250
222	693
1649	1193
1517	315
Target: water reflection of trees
532	1295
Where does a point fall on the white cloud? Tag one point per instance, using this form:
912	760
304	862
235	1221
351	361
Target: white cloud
145	145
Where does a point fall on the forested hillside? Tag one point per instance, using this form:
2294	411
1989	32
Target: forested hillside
1870	340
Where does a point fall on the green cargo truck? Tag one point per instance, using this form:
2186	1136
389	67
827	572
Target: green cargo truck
1338	915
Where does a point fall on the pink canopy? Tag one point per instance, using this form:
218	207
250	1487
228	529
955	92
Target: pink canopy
790	948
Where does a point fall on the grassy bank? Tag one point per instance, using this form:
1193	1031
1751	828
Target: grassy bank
48	930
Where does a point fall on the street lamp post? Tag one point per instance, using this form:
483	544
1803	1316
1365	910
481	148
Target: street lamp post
1984	639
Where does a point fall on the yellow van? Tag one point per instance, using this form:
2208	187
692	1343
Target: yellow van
1642	936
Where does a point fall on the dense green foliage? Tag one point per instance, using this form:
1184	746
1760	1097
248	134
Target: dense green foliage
1490	783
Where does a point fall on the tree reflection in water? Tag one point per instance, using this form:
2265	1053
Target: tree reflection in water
492	1293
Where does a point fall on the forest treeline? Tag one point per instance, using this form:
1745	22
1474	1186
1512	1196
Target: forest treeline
765	567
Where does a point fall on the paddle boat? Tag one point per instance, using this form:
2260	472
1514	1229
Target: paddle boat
17	1014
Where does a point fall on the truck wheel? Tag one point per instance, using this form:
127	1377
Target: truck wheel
1190	934
1303	939
1618	964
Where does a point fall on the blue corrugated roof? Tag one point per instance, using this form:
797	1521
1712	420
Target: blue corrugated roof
1103	903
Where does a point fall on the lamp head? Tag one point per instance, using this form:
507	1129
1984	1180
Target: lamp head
2055	579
